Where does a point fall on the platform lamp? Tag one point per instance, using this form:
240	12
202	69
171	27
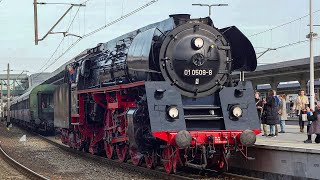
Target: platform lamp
209	6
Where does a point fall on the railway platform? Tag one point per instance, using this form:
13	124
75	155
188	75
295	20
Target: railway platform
283	157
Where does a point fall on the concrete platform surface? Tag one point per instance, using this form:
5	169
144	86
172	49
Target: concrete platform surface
285	157
292	140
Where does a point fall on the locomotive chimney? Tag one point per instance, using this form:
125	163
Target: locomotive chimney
180	18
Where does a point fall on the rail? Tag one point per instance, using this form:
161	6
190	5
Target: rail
130	167
19	167
126	166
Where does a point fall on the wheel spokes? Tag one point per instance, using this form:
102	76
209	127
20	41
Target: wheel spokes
150	160
122	152
167	158
109	148
136	157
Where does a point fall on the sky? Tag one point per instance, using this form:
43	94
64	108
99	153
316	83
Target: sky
250	16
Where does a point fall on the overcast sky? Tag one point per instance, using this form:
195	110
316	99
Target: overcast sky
251	16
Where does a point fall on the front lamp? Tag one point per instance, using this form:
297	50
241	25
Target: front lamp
173	112
236	111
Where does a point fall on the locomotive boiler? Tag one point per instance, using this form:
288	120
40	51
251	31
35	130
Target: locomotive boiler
162	94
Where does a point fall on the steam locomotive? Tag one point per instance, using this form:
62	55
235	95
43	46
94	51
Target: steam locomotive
162	95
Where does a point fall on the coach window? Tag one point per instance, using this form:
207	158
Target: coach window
46	103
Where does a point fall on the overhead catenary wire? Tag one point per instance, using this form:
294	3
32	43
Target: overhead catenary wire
55	51
289	44
72	4
101	28
120	19
298	19
270	31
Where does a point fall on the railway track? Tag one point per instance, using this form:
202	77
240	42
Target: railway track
127	166
143	170
236	176
19	167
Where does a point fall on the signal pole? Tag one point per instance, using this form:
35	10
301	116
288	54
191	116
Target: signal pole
8	94
1	101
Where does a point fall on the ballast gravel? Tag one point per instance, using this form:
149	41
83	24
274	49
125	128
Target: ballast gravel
52	162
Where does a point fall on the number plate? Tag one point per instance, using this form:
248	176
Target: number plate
197	72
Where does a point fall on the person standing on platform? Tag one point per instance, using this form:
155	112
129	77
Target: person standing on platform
283	113
278	105
259	104
300	107
314	127
291	103
270	114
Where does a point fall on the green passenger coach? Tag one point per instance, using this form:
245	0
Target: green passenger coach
35	108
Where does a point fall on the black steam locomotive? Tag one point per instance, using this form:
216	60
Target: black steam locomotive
162	94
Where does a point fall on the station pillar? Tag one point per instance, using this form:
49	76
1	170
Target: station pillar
254	85
303	84
274	84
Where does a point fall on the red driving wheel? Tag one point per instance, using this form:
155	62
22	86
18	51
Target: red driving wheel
150	160
136	157
109	150
122	152
168	160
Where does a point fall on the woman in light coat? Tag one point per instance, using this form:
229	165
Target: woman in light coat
299	106
283	113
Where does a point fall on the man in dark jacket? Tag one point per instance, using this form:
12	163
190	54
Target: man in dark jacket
259	105
271	112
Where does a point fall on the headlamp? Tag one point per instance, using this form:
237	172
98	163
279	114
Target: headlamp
173	112
197	43
236	111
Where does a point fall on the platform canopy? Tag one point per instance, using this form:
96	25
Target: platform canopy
14	76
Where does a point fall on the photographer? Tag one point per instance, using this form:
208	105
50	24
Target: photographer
314	127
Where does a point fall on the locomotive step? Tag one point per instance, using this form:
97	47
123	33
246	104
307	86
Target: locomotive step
194	107
202	117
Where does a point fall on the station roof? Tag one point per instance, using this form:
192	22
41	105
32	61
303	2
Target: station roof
287	64
285	71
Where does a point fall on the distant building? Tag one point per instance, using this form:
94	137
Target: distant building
37	78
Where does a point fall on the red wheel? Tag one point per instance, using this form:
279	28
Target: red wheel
221	164
63	139
150	160
109	148
78	141
122	152
169	162
136	157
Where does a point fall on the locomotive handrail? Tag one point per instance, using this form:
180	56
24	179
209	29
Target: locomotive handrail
111	88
